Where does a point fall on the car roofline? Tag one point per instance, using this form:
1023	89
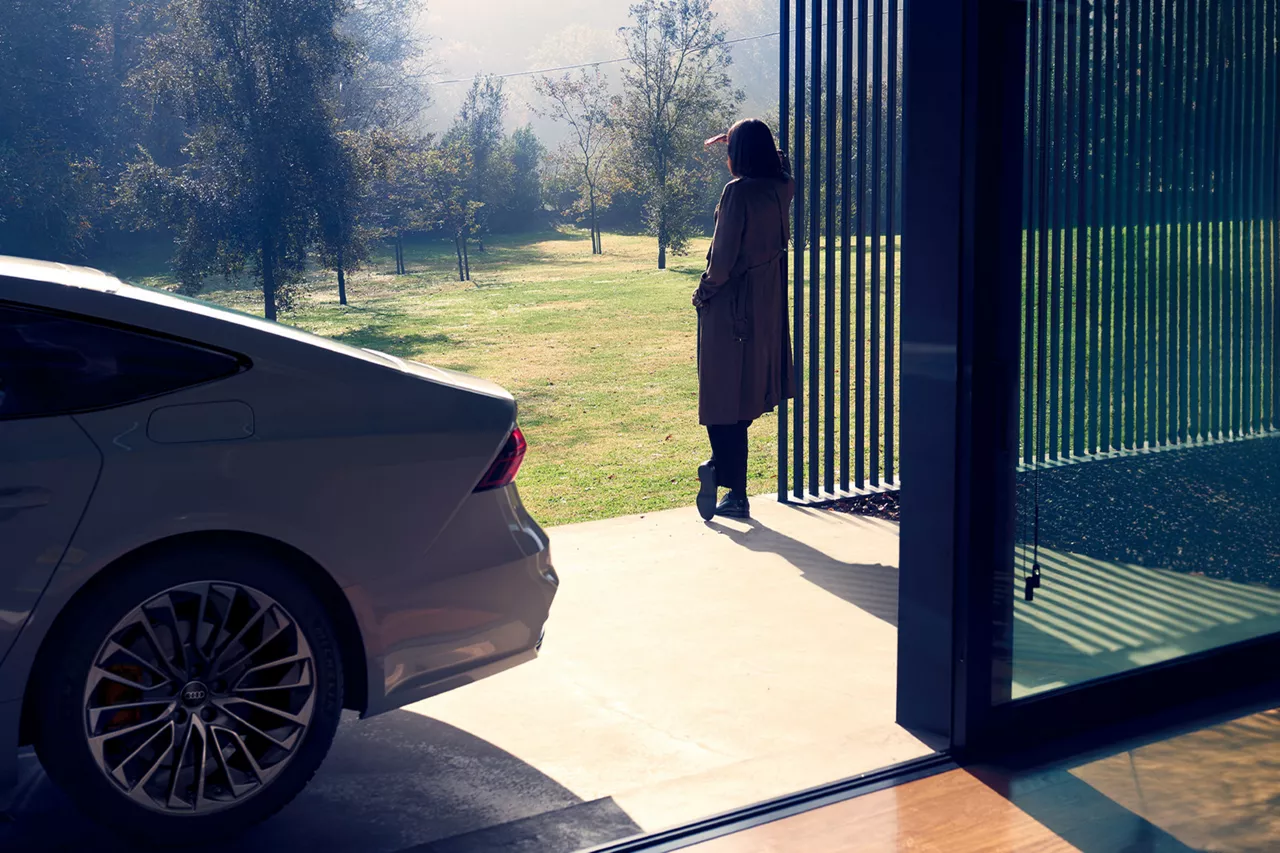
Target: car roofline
57	273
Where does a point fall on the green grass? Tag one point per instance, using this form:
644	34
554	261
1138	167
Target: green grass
598	350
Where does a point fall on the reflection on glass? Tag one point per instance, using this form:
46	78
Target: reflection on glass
1149	455
1147	558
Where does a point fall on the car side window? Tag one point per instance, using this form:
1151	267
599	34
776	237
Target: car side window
52	364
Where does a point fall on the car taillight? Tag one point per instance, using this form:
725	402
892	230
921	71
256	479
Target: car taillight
503	470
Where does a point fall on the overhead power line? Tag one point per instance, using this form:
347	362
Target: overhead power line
618	59
597	62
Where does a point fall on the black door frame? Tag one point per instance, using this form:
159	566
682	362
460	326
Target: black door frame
961	283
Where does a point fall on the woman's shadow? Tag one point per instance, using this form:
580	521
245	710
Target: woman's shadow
872	587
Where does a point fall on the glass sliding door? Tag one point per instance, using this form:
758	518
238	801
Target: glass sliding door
1148	483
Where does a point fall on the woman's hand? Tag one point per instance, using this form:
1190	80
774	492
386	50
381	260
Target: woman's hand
697	301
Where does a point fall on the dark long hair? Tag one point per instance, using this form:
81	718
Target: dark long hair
752	152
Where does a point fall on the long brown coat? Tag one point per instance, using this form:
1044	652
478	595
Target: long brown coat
744	343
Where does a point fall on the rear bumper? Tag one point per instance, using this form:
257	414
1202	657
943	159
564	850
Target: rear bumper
479	606
410	693
417	667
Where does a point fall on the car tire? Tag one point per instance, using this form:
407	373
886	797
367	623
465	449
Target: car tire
101	700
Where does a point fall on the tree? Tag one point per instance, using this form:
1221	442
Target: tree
582	102
422	186
477	131
402	188
450	170
385	85
521	164
255	81
677	88
380	94
52	124
346	236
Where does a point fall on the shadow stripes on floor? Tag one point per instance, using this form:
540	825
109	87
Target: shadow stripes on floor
1095	606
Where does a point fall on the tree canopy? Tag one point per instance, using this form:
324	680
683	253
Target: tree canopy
254	80
582	102
676	91
269	138
477	129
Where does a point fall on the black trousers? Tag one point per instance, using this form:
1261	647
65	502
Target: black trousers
729	453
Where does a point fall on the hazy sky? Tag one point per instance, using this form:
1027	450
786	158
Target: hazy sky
504	36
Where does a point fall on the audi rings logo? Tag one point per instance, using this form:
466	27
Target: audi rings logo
194	694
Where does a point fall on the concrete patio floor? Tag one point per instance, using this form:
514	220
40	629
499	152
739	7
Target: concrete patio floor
689	668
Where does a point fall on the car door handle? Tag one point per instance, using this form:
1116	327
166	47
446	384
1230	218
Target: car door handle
24	498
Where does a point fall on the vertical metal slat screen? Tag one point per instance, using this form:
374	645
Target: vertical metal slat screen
840	96
1150	214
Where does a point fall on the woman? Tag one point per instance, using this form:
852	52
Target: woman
744	349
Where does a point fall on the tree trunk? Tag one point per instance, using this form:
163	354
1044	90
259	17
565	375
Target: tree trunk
466	258
662	244
595	228
268	276
662	214
342	280
591	194
457	245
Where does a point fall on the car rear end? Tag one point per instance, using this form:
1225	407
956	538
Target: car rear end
490	597
396	478
476	600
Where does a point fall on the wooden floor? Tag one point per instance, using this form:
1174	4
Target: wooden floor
1215	789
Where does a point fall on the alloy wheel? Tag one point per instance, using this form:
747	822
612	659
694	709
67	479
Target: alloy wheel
199	697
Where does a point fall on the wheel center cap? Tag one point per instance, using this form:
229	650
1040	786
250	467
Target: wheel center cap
194	694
